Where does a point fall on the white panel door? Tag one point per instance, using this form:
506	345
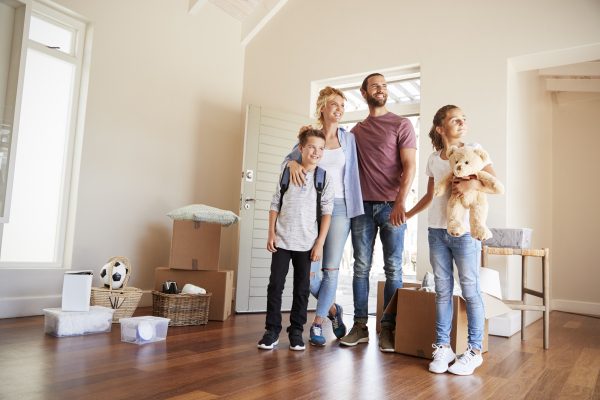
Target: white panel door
269	137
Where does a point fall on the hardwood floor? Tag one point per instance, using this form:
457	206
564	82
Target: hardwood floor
220	360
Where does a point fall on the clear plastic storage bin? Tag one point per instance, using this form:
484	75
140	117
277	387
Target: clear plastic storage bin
73	323
146	329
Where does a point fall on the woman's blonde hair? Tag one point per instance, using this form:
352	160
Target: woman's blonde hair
324	96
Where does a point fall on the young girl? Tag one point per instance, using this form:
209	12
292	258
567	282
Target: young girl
449	127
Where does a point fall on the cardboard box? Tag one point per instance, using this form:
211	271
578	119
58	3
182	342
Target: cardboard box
380	287
219	283
77	288
195	246
415	323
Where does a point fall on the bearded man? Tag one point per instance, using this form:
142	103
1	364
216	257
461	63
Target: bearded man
386	145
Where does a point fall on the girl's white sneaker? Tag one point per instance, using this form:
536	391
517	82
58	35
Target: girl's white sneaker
466	363
442	356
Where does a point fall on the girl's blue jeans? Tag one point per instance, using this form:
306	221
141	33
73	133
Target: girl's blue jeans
323	283
444	249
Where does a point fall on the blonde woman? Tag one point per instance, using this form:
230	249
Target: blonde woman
340	160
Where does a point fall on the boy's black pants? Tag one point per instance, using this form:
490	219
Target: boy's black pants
280	264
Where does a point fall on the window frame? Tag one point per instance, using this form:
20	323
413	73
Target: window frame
343	82
80	59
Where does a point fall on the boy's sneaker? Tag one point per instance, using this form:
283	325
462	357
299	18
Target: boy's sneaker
268	341
316	335
442	357
337	323
296	342
466	363
386	339
358	334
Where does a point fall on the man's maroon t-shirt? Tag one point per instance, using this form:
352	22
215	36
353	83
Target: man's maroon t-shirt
378	141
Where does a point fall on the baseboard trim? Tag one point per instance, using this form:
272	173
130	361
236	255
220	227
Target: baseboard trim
576	307
12	307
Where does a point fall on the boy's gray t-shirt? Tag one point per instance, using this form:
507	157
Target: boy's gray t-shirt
296	227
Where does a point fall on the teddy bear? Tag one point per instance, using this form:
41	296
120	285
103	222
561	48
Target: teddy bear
468	161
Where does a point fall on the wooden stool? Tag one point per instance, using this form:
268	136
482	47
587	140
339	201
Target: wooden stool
544	294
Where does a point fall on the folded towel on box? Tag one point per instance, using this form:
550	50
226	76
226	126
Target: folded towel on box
204	213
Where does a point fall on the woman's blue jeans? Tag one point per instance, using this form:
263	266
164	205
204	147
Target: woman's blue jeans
323	283
364	232
464	251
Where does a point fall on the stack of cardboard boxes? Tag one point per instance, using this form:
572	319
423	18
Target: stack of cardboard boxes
194	259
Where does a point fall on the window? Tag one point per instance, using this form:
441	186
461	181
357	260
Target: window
402	91
52	34
36	232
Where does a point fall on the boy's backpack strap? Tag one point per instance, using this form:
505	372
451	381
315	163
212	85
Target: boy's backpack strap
320	179
320	174
284	183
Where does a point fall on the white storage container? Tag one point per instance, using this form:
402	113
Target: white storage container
146	329
73	323
77	287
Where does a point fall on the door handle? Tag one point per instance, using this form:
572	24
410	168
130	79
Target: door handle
246	201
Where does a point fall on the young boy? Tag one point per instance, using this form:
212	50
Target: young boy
294	235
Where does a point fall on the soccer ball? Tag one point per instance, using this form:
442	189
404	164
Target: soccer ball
119	271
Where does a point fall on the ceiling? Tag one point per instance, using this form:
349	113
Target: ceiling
253	15
238	9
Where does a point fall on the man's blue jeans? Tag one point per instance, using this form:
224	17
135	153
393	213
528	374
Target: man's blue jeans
364	231
464	251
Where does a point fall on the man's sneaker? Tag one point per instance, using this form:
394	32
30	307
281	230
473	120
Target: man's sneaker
337	323
386	339
358	334
466	363
442	356
296	342
316	335
268	341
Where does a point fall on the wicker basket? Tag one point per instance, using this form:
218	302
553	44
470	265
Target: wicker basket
123	300
181	309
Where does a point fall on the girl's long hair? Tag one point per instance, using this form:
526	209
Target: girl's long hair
438	120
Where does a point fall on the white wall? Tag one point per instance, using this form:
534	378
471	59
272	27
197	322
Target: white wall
529	172
576	136
529	179
463	49
163	129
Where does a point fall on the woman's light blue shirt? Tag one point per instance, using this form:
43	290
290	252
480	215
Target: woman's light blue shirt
352	193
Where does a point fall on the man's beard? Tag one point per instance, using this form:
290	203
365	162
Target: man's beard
375	102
